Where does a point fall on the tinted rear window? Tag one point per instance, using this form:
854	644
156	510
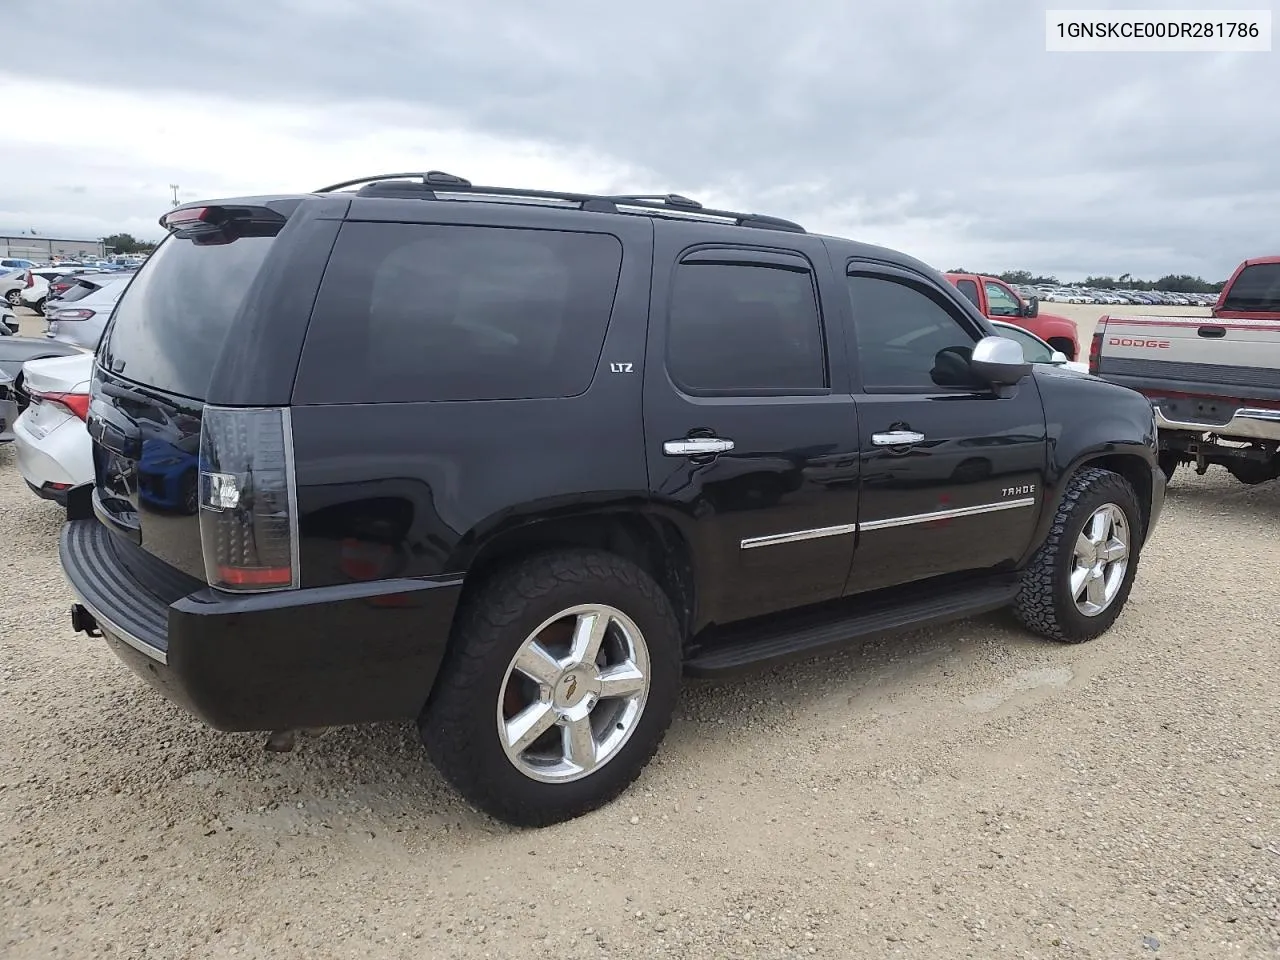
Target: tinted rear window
415	312
169	327
1256	288
78	291
970	291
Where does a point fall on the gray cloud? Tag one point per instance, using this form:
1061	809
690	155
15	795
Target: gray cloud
944	123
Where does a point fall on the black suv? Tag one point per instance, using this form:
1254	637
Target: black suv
511	462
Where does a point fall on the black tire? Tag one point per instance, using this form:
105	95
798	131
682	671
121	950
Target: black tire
13	298
1252	471
459	723
1169	461
1044	603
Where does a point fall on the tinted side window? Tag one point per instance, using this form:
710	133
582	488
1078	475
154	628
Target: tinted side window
417	312
907	340
1034	349
970	291
745	327
1000	301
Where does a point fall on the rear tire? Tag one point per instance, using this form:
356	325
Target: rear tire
1074	588
526	621
13	298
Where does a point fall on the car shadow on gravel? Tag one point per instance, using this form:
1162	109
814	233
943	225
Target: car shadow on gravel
1219	490
377	777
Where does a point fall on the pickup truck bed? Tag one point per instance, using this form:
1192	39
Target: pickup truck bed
1214	385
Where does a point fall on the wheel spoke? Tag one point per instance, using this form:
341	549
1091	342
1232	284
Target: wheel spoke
1084	547
1096	590
1079	580
528	725
1098	527
621	680
580	743
536	663
1116	549
588	634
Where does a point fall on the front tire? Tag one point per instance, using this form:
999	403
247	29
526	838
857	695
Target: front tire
1079	580
559	685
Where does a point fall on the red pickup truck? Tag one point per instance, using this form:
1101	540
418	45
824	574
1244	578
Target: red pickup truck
999	301
1252	293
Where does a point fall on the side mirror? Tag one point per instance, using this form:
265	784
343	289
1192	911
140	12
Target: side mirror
999	361
1058	358
1032	307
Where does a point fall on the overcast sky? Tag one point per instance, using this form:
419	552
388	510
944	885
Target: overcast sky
943	129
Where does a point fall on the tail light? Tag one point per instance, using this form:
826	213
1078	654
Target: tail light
30	280
1095	351
248	509
73	315
77	403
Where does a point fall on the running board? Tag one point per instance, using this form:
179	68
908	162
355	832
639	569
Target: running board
736	648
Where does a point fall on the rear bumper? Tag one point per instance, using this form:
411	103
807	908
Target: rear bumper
354	653
63	456
1247	423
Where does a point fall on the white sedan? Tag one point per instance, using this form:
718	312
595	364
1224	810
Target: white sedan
51	436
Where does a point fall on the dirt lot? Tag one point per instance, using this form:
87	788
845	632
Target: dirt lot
965	792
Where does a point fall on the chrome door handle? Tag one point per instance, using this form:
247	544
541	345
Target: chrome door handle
896	438
696	446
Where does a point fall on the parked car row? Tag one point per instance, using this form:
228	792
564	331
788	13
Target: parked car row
37	285
1114	297
46	381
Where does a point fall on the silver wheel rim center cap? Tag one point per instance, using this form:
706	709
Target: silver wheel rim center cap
574	688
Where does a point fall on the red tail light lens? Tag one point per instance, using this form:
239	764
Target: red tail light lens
1095	351
30	279
73	315
77	403
248	515
180	217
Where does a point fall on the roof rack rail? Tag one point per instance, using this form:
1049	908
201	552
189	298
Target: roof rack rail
424	186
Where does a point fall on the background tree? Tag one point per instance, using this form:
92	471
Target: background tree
123	243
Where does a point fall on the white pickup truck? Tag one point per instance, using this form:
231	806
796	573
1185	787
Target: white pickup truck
1214	382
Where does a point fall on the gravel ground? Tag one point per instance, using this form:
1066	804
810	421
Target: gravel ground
968	791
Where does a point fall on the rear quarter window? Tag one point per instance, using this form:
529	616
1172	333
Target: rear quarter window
417	312
78	291
1256	288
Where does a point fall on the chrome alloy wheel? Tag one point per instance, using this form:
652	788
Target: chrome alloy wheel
574	693
1100	560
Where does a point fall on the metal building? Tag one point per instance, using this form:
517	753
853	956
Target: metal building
46	248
